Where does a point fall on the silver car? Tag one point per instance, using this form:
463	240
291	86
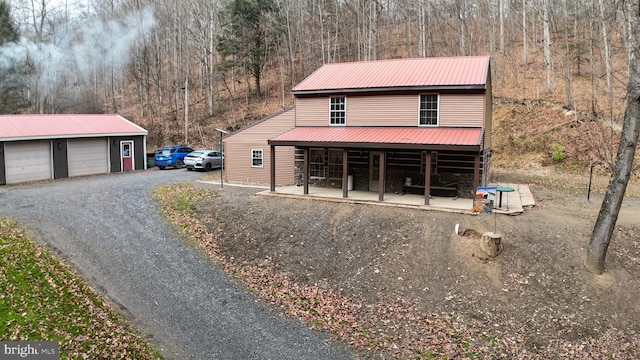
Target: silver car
203	160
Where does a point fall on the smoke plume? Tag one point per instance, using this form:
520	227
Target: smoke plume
77	53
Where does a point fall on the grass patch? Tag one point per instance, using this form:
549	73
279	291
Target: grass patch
42	299
182	198
179	202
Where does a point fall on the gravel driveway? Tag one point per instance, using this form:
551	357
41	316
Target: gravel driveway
110	229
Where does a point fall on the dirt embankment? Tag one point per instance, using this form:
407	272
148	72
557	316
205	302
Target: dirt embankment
534	297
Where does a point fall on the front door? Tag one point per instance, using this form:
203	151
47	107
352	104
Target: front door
126	154
374	170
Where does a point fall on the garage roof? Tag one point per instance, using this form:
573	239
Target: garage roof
34	127
382	137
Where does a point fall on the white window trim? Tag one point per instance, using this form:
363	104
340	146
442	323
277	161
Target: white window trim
345	110
438	117
261	158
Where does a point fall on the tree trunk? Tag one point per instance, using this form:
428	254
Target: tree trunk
605	224
186	110
547	45
501	14
607	57
422	30
462	27
568	60
525	55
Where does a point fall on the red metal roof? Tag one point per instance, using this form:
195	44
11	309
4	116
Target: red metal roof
461	71
356	136
30	127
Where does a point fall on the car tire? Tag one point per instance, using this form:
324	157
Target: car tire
162	167
179	164
207	167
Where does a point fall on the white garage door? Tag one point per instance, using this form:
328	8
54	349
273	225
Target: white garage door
87	157
27	161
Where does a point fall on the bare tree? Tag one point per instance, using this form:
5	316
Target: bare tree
607	57
546	23
501	14
567	57
525	49
605	223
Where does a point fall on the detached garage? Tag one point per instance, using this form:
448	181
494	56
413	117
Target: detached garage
42	147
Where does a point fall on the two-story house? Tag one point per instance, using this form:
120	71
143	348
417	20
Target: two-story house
406	125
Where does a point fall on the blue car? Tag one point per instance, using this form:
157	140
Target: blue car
171	156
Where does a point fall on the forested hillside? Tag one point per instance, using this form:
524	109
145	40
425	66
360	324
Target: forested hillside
183	68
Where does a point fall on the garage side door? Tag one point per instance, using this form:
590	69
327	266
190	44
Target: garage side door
87	157
27	161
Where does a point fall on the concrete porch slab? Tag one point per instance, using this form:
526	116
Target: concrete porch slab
448	204
512	204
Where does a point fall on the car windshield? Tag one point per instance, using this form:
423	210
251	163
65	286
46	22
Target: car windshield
195	154
166	151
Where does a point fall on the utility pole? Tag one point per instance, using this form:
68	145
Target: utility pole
186	111
222	132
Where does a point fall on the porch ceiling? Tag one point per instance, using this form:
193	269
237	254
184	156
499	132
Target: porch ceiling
427	138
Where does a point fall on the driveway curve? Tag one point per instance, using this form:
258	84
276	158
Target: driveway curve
110	229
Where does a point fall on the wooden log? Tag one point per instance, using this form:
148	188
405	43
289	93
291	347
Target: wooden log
490	243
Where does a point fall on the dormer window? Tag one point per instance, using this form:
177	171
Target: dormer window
429	109
337	110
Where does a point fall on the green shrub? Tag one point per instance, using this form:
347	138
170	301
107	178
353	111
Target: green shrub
557	153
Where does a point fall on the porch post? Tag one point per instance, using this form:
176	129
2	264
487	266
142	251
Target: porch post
476	173
345	174
427	177
273	168
305	171
382	175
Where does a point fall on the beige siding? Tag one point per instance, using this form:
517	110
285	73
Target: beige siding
238	149
393	110
462	110
313	111
380	110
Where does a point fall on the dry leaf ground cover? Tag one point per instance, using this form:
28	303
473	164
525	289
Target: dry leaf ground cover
42	299
393	282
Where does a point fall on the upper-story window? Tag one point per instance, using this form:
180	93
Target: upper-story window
338	111
429	109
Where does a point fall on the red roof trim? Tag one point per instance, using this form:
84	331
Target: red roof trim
405	137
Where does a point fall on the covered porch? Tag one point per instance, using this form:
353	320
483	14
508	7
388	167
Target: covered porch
386	162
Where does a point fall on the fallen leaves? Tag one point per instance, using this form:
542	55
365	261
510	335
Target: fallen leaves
42	299
397	327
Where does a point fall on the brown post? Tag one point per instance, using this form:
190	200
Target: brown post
476	173
345	174
305	171
273	168
382	175
427	177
